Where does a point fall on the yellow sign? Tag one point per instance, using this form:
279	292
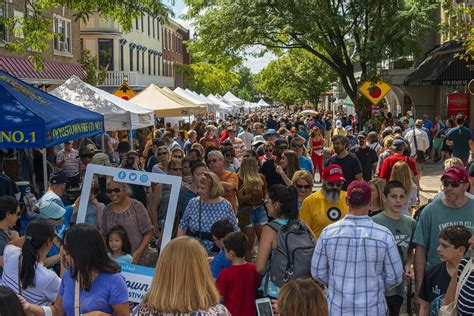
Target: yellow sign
125	92
374	92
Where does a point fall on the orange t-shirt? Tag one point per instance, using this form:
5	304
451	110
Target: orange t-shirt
230	177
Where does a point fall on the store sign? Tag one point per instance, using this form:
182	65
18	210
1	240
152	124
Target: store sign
454	82
458	103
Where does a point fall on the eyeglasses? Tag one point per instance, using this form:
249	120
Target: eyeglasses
230	131
306	187
162	153
116	190
453	184
335	184
297	145
212	161
178	157
67	143
177	169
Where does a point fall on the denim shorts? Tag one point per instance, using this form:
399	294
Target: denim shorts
249	216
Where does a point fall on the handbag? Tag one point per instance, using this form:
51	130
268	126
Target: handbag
420	154
451	308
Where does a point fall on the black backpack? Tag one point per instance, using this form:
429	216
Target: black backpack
291	259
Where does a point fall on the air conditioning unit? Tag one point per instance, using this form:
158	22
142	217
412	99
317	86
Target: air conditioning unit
63	46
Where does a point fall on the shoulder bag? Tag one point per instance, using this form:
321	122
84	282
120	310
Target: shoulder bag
451	308
420	154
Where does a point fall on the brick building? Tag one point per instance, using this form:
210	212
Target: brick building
174	50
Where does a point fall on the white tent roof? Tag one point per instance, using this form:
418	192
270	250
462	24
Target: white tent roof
222	105
189	96
119	114
262	103
163	103
232	98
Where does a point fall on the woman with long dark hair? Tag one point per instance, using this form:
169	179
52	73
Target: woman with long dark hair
37	284
91	271
10	305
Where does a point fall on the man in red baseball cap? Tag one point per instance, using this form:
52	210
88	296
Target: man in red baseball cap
327	205
454	208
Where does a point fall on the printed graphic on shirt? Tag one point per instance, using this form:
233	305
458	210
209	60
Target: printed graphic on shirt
437	303
334	214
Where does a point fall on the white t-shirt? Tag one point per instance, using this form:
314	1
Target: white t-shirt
47	282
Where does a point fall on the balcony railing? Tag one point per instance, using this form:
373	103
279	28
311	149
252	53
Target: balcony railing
136	79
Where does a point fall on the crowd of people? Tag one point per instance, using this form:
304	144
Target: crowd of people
303	214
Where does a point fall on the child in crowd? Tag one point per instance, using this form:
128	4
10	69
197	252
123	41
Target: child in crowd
119	246
453	245
238	283
220	230
402	228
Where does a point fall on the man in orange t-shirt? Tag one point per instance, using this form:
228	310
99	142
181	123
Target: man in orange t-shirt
229	180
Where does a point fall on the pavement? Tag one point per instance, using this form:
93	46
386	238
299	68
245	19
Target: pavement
430	181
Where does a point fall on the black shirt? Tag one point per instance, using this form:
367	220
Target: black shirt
271	176
350	167
434	286
367	157
271	123
7	186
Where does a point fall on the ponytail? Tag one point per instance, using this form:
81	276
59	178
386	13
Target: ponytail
37	234
287	197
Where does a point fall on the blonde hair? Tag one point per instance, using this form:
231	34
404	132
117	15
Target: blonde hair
379	185
181	285
249	175
302	297
212	182
452	162
402	172
302	175
387	141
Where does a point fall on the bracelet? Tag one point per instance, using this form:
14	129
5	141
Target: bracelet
47	311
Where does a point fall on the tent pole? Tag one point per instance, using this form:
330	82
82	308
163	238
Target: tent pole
131	139
102	142
45	171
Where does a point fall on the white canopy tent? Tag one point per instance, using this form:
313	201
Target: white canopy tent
223	107
229	96
118	113
262	103
189	96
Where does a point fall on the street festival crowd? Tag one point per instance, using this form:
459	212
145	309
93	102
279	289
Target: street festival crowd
248	226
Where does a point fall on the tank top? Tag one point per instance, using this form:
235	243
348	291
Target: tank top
317	143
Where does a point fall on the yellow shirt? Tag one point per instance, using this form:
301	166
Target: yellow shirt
318	213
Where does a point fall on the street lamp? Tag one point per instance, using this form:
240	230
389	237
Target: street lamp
195	35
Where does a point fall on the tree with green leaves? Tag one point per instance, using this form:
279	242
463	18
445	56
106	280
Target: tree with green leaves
342	34
245	89
297	76
36	26
203	77
460	26
94	73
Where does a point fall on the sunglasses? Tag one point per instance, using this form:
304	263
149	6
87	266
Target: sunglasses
178	157
230	131
116	190
335	184
212	161
297	146
306	187
162	153
453	184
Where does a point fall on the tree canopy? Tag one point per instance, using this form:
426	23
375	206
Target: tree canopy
296	77
342	34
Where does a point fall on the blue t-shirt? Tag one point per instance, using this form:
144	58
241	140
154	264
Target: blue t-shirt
219	263
460	136
107	289
61	229
306	164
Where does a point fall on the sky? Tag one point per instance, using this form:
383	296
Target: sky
255	64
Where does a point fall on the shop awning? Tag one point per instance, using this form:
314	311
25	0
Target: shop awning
442	67
54	72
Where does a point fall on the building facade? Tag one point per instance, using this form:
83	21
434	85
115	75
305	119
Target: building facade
62	57
139	57
174	51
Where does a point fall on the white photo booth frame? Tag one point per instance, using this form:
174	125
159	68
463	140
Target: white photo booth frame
133	177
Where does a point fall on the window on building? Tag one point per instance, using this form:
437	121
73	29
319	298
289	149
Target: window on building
154	64
138	59
159	65
62	27
3	15
143	28
106	54
149	63
153	26
136	24
157	28
131	57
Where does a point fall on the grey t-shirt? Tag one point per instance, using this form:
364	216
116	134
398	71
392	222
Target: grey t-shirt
4	240
433	219
402	229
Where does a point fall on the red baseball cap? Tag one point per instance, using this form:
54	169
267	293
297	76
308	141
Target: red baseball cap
333	173
457	174
359	191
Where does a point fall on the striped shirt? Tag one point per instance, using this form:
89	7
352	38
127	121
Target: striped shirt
466	295
238	145
357	260
71	162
